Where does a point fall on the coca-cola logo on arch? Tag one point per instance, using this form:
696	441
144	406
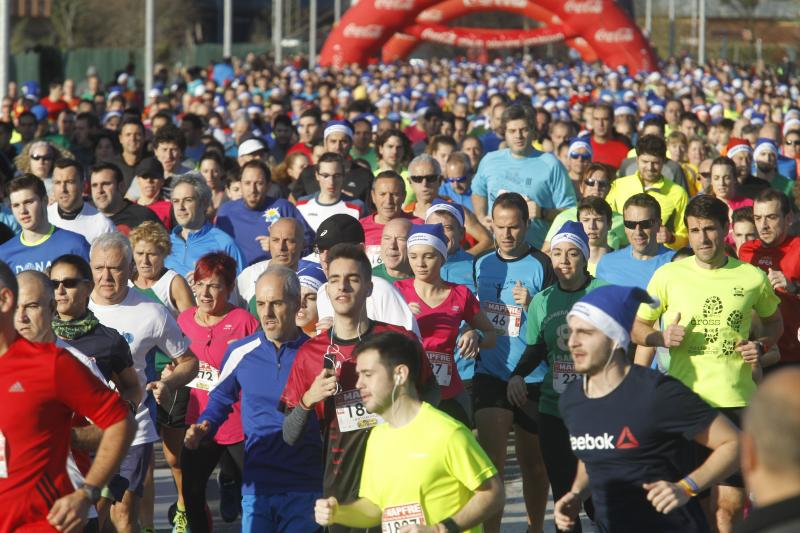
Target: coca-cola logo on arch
583	7
621	35
518	4
370	31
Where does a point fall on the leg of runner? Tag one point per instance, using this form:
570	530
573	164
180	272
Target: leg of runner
125	514
197	466
494	425
230	482
729	506
535	485
561	464
148	500
172	444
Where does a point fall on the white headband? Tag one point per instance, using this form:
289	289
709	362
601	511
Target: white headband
431	240
337	128
765	147
444	206
574	145
739	148
558	238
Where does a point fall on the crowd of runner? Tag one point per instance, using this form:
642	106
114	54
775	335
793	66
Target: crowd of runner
343	290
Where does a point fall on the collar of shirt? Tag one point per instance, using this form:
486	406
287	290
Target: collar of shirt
657	186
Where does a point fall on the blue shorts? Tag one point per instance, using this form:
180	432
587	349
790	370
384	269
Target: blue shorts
132	471
291	512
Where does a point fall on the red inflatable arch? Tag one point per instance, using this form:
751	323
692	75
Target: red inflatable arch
596	28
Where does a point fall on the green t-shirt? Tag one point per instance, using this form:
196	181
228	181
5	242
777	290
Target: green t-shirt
616	234
783	184
381	272
716	309
547	323
370	157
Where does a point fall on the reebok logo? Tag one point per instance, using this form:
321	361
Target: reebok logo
625	441
16	387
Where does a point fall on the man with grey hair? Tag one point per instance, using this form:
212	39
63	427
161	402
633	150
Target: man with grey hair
46	386
280	482
194	236
146	326
769	455
426	177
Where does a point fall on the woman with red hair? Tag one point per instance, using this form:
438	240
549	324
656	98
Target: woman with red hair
211	326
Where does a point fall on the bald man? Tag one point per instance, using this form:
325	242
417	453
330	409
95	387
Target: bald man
770	454
285	244
394	254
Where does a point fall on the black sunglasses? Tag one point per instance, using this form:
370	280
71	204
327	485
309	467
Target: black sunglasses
599	183
42	157
430	178
792	143
68	283
645	224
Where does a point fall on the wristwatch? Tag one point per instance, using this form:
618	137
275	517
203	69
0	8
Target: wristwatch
450	525
92	492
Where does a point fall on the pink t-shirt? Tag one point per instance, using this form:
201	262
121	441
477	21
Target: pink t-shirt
439	327
209	344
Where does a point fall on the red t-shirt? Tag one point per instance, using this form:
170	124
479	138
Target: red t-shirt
439	327
344	446
162	210
785	258
54	108
611	152
41	387
209	344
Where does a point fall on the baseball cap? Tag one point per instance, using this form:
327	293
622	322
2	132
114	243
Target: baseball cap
337	229
149	168
250	146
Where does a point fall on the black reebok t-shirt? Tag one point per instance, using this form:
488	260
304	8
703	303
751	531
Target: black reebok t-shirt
107	347
632	436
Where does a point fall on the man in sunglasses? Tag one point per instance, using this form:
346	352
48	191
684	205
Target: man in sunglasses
457	180
791	144
322	383
651	152
635	264
426	177
579	157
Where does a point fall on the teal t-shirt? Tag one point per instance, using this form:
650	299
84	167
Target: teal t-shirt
547	323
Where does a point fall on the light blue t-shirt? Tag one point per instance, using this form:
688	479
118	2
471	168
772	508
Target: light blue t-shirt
458	269
621	268
541	177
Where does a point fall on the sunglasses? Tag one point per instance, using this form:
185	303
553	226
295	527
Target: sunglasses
430	179
705	175
42	157
792	143
584	157
645	224
597	183
68	283
462	179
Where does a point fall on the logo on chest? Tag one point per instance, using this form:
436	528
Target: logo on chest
606	441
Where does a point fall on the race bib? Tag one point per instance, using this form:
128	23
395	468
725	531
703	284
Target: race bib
396	517
506	319
442	366
206	379
351	413
3	462
374	253
563	375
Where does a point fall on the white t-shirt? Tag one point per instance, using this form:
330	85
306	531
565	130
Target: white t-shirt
90	223
246	281
316	213
146	326
385	304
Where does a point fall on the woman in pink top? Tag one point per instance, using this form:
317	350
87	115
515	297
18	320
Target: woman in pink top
211	326
441	308
724	186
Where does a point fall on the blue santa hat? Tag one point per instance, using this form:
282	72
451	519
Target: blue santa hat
430	234
612	309
574	233
311	276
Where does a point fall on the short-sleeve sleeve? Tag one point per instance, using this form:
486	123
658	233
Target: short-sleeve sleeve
479	181
768	301
84	393
681	411
466	461
563	193
657	289
298	383
171	339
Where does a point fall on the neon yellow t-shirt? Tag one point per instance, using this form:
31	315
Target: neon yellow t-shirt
423	472
716	309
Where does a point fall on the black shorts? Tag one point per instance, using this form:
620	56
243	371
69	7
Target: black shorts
489	391
701	453
173	413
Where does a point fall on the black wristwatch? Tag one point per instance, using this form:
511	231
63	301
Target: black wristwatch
92	492
450	525
132	406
